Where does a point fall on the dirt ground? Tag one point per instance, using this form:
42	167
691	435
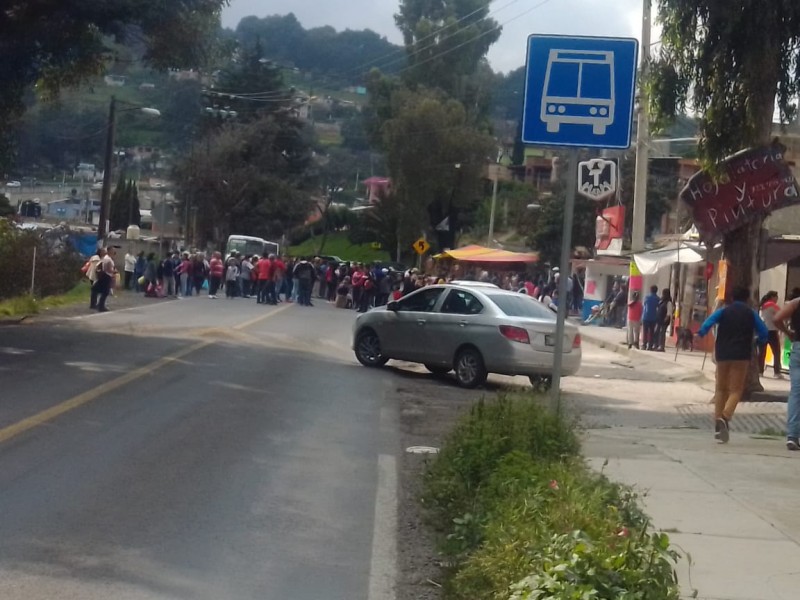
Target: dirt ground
428	410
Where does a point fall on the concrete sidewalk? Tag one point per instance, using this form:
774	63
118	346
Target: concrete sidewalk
694	364
728	509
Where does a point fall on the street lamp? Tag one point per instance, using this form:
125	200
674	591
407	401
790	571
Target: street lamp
105	194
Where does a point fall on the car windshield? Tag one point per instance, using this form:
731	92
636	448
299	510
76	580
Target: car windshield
520	305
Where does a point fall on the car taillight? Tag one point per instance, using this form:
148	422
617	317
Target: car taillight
515	334
576	341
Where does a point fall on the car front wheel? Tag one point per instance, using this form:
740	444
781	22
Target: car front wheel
368	349
469	368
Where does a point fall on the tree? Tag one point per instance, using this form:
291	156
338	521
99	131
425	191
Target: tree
446	42
662	189
729	62
124	205
436	160
249	178
548	224
51	45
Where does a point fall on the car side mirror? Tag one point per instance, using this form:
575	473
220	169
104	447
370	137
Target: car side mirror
393	306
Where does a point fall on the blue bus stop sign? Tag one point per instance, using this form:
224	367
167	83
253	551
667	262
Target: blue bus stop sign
579	91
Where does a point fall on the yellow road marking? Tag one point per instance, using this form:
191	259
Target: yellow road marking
15	429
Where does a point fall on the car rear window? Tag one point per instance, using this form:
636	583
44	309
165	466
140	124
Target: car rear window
520	305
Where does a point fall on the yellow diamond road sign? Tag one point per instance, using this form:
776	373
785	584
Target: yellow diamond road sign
421	246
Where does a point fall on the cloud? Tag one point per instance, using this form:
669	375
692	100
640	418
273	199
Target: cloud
520	18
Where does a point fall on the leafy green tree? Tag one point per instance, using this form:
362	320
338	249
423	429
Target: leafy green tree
663	188
729	62
382	224
249	178
508	94
323	51
125	208
52	45
446	43
547	223
436	160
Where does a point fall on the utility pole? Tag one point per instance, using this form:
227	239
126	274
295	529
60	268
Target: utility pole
494	197
642	139
102	226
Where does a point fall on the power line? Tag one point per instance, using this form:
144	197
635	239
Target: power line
373	62
475	38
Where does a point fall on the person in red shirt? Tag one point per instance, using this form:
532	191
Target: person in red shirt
264	269
357	279
635	309
215	271
278	276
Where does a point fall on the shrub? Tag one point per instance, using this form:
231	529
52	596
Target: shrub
518	511
573	567
489	432
57	269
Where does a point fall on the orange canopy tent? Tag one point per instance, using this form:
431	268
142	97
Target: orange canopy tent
481	254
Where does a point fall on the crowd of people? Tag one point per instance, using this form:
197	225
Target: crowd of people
272	279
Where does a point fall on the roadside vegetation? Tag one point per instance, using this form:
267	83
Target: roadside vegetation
57	266
520	515
339	244
22	306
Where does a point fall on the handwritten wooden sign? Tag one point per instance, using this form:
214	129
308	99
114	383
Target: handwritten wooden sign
751	183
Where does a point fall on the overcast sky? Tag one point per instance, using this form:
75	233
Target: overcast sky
519	18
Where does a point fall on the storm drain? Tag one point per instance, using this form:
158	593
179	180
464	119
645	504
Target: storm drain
751	417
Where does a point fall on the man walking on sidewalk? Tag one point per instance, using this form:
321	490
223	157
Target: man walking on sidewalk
736	324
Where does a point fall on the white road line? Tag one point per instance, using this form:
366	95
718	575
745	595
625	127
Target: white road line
383	564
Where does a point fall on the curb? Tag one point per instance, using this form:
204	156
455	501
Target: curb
13	320
694	375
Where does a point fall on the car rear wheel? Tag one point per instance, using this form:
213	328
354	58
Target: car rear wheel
438	369
541	382
469	367
368	349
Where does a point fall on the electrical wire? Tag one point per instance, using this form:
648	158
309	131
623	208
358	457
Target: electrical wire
373	63
475	38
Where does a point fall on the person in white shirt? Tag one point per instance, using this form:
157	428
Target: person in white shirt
130	266
91	274
106	272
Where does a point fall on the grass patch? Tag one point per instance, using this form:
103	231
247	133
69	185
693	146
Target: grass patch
339	245
520	515
23	306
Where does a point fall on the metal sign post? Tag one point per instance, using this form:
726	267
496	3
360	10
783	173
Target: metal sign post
564	270
579	93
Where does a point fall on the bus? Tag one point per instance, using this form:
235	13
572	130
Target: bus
579	90
247	245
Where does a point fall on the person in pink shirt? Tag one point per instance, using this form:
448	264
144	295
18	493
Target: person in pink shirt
635	310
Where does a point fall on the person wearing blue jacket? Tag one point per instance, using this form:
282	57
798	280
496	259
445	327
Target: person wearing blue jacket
650	319
737	324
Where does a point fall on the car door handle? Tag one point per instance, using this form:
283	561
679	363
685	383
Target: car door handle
463	323
421	322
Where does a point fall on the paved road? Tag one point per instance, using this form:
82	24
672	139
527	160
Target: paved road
214	450
235	453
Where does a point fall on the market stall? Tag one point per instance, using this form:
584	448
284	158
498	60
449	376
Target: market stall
482	254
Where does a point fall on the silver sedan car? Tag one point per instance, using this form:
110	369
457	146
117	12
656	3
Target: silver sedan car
471	329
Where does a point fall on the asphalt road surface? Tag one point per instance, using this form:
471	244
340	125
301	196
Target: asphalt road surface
194	449
219	449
